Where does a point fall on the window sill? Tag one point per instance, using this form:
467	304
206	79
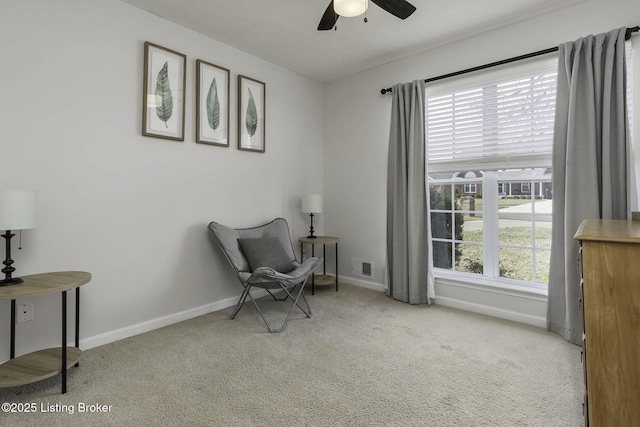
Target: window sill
502	286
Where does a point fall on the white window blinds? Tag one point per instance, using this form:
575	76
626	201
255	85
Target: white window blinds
493	119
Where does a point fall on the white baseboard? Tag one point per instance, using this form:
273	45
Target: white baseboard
150	325
161	322
467	305
497	312
519	305
363	283
474	303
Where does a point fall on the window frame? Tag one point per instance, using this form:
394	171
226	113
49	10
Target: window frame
488	82
490	222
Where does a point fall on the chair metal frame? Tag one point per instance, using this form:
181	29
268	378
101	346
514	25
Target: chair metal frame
292	283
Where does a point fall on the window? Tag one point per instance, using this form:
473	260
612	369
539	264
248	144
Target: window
495	222
500	236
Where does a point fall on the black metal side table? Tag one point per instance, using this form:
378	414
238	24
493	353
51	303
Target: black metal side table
321	279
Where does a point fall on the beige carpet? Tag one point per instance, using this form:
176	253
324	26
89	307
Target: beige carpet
362	360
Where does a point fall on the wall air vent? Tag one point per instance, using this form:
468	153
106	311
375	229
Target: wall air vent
362	268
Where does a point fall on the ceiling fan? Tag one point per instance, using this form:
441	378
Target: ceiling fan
400	8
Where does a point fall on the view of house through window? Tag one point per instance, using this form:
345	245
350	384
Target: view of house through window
489	138
489	146
503	230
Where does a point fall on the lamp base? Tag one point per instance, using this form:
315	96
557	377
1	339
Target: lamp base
11	281
8	267
311	236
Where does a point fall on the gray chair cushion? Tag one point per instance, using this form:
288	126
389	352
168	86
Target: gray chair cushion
266	252
264	275
228	240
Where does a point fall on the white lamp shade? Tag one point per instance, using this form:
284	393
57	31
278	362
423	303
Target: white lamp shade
312	203
18	209
350	8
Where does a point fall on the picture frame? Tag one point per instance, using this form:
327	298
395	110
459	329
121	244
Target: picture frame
251	114
163	100
212	104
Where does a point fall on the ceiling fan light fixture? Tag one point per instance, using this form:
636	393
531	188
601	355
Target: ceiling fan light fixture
350	8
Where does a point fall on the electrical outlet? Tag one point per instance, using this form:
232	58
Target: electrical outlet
24	313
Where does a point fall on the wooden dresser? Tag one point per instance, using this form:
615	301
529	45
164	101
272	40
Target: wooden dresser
610	264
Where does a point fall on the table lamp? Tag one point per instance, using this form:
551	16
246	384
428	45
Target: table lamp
312	204
18	211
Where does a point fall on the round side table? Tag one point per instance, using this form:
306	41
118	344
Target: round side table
321	279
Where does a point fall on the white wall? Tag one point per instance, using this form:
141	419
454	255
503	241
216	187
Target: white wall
357	133
133	210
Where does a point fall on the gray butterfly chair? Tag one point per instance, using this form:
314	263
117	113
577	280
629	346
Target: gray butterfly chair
263	257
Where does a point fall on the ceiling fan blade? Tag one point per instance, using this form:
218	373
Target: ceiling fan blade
329	19
400	8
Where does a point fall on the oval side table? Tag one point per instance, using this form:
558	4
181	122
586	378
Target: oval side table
41	364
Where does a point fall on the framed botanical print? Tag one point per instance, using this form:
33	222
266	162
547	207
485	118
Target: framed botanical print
251	114
212	104
163	101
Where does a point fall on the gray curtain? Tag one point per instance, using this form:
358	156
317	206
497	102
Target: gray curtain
591	162
409	262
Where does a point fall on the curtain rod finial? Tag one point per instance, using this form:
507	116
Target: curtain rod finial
385	91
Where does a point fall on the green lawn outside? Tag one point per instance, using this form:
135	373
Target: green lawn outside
515	263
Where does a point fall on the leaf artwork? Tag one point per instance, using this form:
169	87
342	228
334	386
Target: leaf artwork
213	106
251	121
164	100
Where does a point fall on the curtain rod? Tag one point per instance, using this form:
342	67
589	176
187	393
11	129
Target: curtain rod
627	36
